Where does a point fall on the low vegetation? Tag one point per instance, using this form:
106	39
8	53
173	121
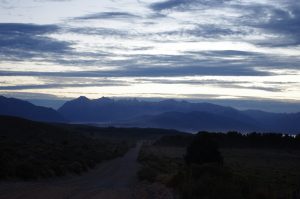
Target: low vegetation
156	166
218	165
32	150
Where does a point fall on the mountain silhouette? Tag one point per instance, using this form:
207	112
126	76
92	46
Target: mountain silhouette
24	109
181	115
168	114
106	109
276	122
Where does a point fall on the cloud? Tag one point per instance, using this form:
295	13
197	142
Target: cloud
190	63
213	31
51	82
51	0
6	4
212	82
18	28
184	4
99	31
158	66
206	31
107	15
168	4
275	24
21	41
50	86
167	38
280	24
285	23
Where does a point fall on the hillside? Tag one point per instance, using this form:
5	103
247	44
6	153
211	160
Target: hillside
24	109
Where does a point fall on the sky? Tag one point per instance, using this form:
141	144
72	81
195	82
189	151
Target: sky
236	51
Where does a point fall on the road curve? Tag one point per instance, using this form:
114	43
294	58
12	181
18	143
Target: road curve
114	179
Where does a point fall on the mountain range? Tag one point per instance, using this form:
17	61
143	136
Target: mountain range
24	109
173	114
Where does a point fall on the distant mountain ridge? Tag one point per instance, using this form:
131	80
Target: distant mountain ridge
24	109
181	115
278	122
169	114
106	109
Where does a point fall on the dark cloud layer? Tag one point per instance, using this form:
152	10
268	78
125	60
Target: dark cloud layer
107	15
50	86
215	63
184	4
283	23
168	4
286	23
23	41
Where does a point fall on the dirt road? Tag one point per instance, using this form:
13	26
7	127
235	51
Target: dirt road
112	179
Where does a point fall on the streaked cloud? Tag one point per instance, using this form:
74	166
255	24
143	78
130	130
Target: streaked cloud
25	41
107	15
144	45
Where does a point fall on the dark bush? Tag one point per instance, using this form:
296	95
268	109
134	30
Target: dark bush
59	170
76	167
26	171
147	174
203	150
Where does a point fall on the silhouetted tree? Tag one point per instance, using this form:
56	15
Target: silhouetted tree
203	150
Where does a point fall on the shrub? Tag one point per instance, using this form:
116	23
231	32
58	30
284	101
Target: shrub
148	174
76	167
203	150
26	171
